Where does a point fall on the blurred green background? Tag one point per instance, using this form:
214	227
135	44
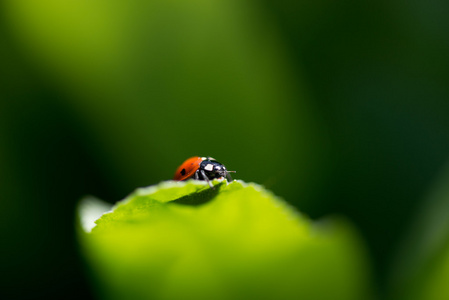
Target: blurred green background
339	107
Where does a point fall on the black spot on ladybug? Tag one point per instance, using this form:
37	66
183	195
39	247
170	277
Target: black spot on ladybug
183	172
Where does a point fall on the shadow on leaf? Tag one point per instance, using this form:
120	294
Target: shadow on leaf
200	197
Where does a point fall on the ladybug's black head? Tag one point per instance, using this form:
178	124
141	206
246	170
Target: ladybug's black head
214	169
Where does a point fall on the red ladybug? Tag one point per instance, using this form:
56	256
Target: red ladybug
202	168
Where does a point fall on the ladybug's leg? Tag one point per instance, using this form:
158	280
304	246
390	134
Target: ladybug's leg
196	177
228	177
207	179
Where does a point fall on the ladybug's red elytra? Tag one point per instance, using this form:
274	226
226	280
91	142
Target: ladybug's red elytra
202	168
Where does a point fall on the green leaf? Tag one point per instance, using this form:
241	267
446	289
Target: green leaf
184	240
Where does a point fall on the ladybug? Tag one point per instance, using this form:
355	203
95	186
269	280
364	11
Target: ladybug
202	168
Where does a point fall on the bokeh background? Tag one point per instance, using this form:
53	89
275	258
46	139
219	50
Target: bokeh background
340	107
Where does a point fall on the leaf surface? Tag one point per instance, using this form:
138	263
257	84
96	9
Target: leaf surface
183	240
